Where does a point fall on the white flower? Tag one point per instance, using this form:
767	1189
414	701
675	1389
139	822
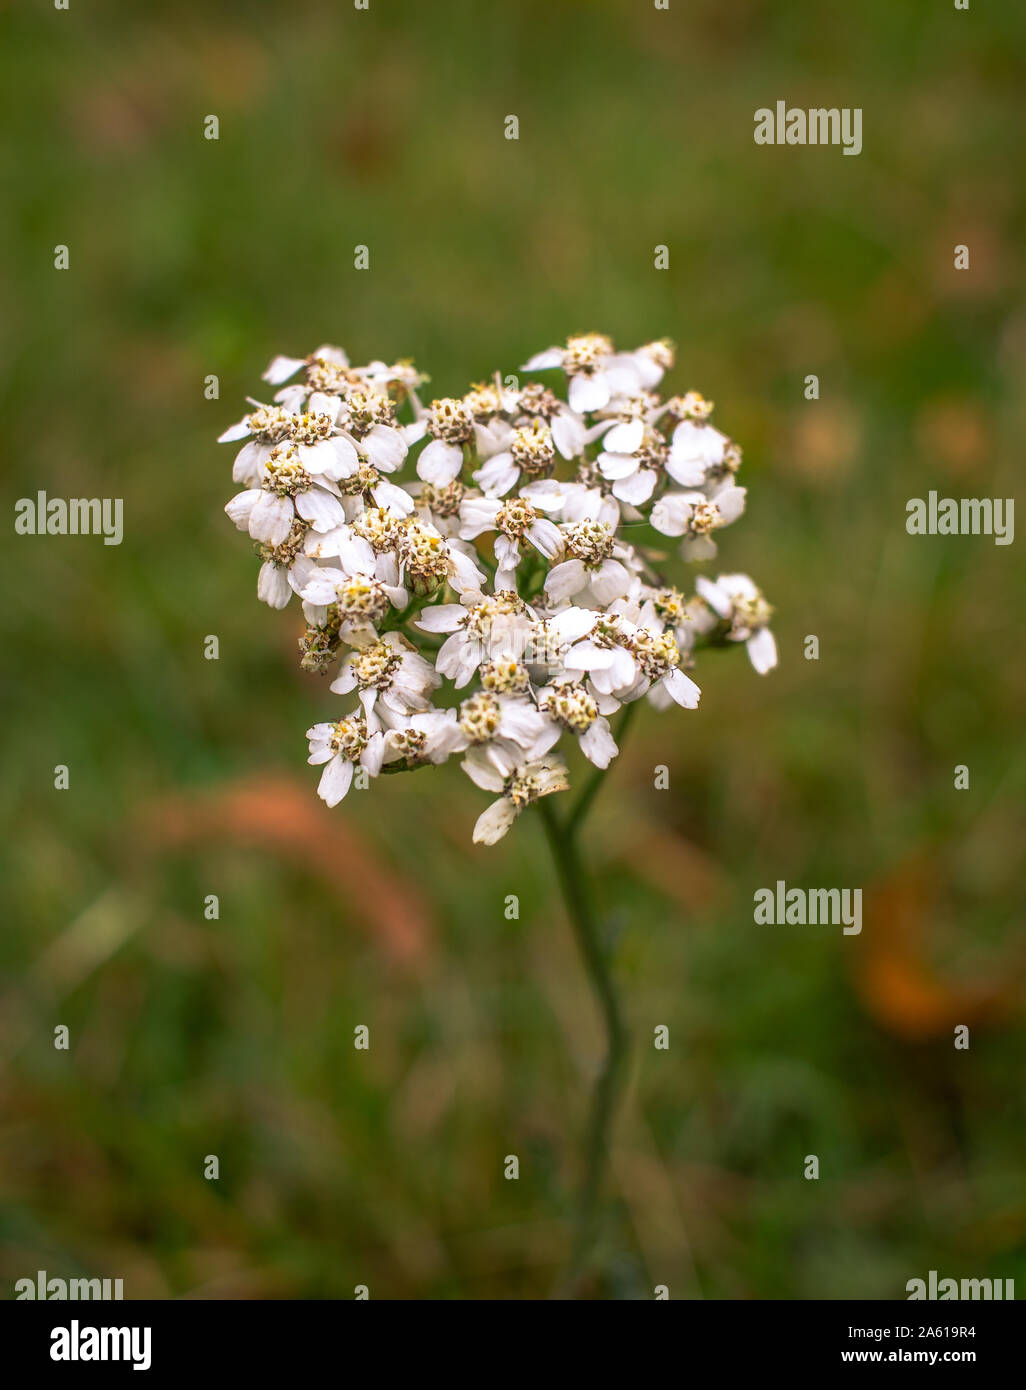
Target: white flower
370	424
427	559
439	504
382	493
626	660
338	746
652	360
569	432
316	444
500	727
410	588
624	423
693	516
429	736
657	658
360	589
569	705
519	788
450	425
596	372
601	651
531	454
737	600
481	631
515	520
326	369
390	670
286	491
686	618
695	449
263	427
552	635
285	565
590	574
583	503
633	460
381	375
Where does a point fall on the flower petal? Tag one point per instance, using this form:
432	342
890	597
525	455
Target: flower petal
439	462
565	580
281	368
543	361
625	437
273	587
568	433
241	505
636	489
588	393
320	509
384	447
233	432
492	824
682	689
597	744
497	476
336	780
270	520
444	617
610	581
762	650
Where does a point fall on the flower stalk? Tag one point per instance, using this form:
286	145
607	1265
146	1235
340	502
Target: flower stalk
562	834
482	577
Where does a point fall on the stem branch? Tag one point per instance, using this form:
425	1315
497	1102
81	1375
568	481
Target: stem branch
582	805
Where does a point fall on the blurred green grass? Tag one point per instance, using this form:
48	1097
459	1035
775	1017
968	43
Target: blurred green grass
234	1037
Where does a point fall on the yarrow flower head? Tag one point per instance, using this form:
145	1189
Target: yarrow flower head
481	577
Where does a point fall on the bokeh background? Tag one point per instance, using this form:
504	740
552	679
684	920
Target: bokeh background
234	1037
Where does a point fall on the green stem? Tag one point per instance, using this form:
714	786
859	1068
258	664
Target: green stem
582	805
562	838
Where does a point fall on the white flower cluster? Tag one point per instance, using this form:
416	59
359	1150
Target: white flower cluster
508	594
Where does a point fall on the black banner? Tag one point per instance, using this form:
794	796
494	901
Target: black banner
172	1339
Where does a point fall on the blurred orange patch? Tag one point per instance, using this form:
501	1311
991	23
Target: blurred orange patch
953	432
894	977
823	441
279	815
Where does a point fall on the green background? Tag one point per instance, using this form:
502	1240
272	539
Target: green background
234	1037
